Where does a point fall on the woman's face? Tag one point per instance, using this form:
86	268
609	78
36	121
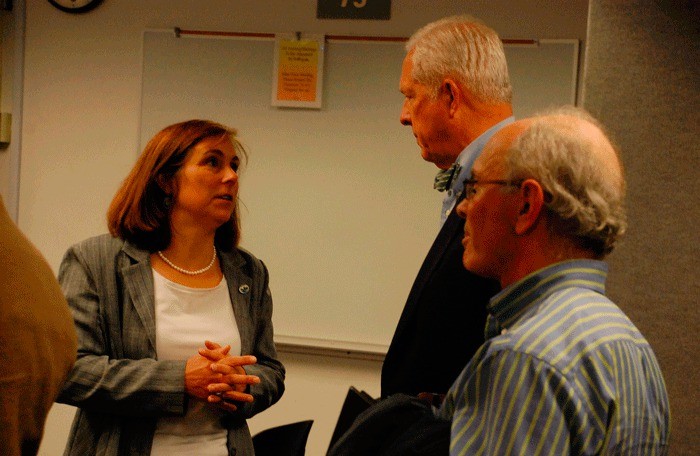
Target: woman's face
207	185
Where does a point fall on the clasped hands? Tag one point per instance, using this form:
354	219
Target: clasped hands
215	376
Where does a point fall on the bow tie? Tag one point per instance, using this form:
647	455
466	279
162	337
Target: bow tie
444	177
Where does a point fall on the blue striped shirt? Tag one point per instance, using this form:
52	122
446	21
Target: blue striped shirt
563	371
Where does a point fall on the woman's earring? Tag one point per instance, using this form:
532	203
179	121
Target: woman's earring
168	201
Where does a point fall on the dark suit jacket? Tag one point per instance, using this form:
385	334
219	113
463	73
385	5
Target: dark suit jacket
117	383
442	323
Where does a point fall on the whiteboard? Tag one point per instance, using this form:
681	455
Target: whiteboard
337	202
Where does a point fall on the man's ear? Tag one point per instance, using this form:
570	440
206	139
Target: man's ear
452	93
531	206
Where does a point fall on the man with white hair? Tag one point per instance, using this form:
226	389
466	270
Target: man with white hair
563	370
457	93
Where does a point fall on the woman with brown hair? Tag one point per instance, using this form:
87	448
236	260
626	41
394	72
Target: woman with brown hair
146	297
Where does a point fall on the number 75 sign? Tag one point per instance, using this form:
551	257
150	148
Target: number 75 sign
353	9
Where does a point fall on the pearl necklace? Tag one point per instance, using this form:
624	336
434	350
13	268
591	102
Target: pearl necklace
188	271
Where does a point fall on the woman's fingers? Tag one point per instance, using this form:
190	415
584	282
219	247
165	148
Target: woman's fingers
245	360
230	396
214	351
233	381
219	402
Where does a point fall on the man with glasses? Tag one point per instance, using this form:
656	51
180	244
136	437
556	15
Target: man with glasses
563	370
457	94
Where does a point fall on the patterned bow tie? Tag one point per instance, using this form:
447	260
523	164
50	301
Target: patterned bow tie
444	177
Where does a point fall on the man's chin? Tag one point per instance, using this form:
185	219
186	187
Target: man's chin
467	263
436	160
427	156
473	267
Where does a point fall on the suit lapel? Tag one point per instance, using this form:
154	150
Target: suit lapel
138	283
240	288
453	226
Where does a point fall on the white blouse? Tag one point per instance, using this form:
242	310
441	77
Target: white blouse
185	318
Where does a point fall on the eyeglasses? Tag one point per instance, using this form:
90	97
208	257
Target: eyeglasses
470	185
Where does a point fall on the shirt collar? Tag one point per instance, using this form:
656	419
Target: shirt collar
466	159
509	305
470	153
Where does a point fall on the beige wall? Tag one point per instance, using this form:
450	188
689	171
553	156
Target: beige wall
80	133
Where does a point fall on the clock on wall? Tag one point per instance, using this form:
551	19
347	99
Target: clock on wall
75	6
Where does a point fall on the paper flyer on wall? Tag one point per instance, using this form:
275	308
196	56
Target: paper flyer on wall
297	79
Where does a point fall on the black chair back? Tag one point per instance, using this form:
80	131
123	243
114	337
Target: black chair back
355	403
285	440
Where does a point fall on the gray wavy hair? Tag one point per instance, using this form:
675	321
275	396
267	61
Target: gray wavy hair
584	198
463	48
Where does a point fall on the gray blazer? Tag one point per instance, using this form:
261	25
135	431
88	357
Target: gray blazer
117	383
